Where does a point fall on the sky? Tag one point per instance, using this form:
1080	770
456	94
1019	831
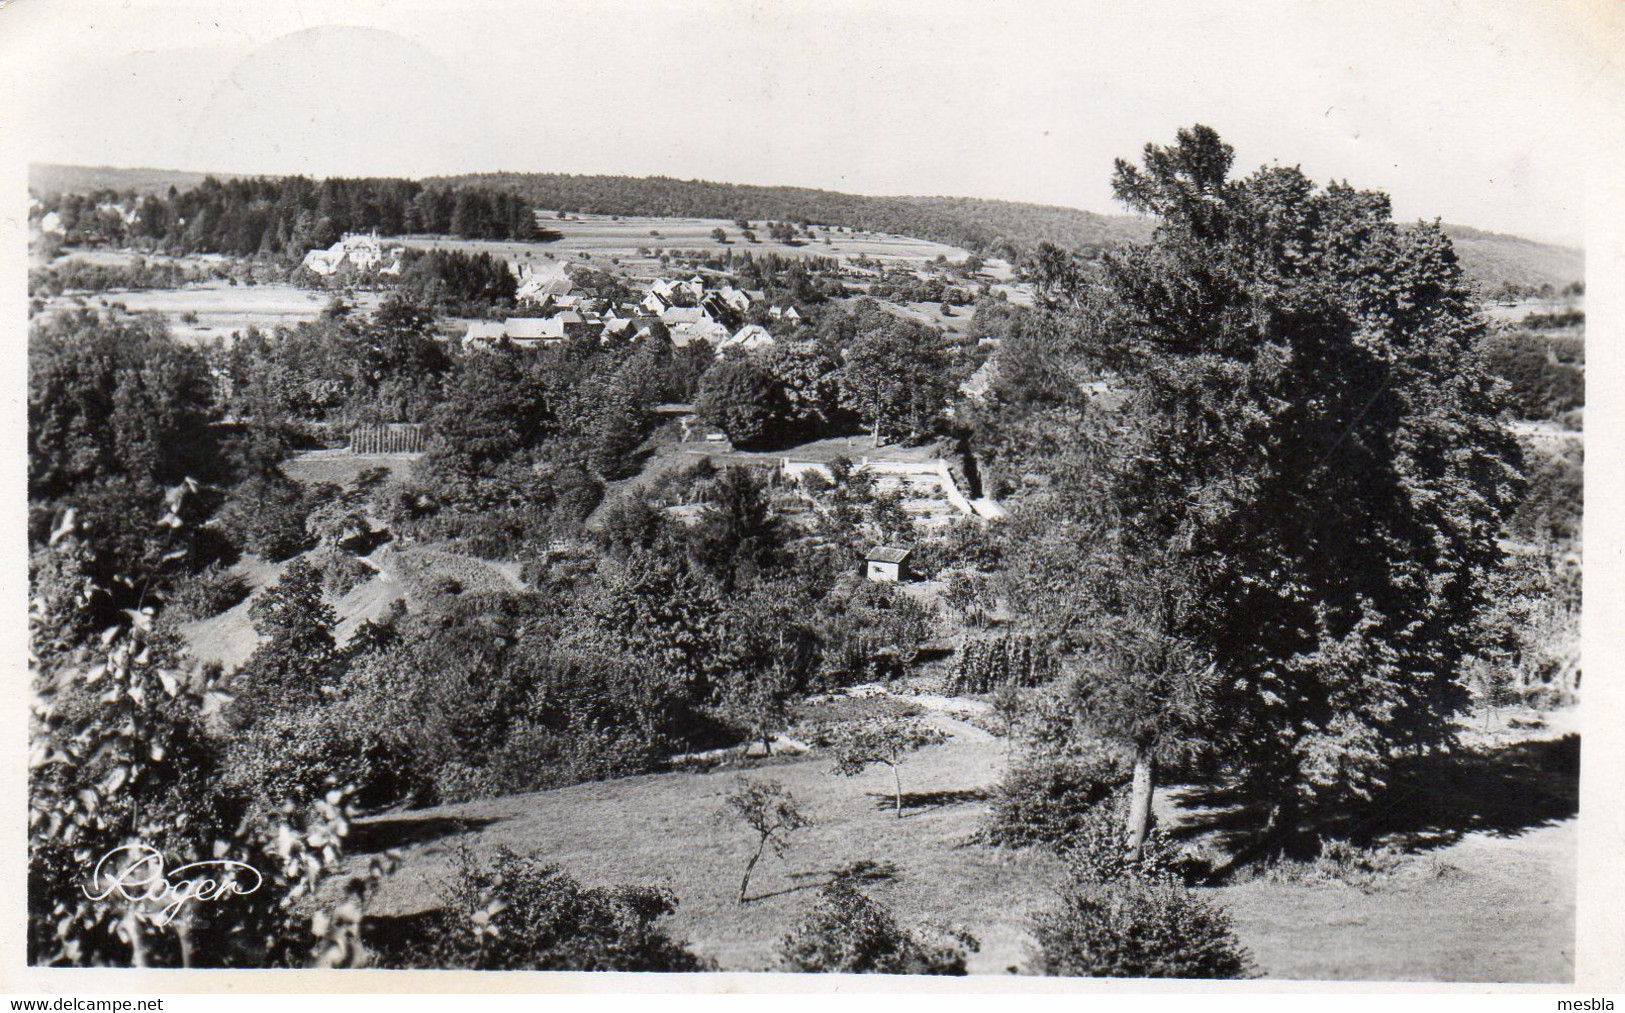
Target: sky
1478	113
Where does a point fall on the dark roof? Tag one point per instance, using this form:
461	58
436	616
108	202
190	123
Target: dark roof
887	554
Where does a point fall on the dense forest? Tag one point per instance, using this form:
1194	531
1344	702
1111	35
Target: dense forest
285	216
980	225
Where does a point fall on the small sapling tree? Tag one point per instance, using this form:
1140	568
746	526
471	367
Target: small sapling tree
1009	708
885	741
770	812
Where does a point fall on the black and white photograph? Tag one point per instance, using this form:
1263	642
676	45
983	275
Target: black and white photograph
724	490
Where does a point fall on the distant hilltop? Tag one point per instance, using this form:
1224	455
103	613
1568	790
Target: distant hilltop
1491	259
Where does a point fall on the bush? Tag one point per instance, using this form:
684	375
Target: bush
266	515
1553	505
515	914
1136	928
343	573
205	594
298	755
1098	853
1339	862
1541	386
1049	799
848	933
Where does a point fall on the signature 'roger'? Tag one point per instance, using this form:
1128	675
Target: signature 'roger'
136	872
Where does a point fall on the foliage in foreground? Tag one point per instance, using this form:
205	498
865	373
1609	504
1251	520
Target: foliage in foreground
1137	928
516	914
848	933
122	761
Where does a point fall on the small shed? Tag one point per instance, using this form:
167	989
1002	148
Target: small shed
887	563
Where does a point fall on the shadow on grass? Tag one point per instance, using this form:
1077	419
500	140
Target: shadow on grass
402	831
858	872
923	802
1502	791
1430	802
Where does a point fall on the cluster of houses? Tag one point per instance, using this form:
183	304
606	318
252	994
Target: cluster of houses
689	310
50	223
361	252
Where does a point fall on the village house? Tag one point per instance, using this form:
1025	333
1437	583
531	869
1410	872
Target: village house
483	335
735	299
362	252
528	332
682	315
541	287
885	563
704	329
749	337
719	310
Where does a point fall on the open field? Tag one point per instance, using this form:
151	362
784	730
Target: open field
604	238
1517	311
105	257
221	309
1486	908
626	830
1493	904
340	467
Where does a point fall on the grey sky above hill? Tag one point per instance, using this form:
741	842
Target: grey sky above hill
1476	113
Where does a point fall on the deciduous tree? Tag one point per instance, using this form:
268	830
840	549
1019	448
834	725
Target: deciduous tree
887	741
772	815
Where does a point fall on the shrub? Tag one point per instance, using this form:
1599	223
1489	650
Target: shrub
297	755
1048	799
1339	862
343	573
1541	386
515	914
266	514
1098	853
207	593
848	933
1553	503
1136	928
1356	866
